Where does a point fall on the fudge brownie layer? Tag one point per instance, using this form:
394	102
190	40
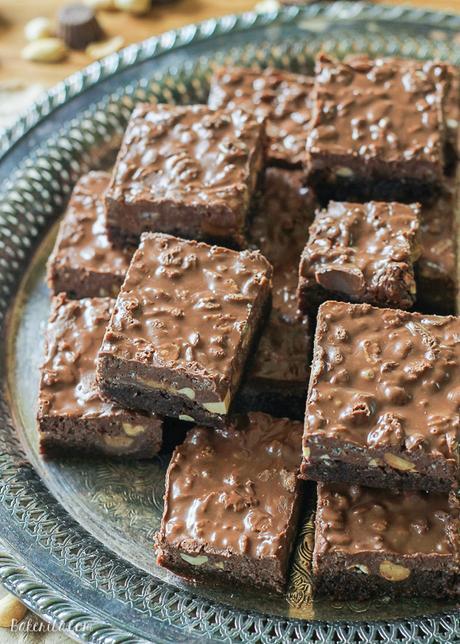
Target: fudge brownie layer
385	542
83	262
182	328
377	130
452	118
280	230
436	269
277	374
360	253
188	171
383	400
232	503
72	417
284	98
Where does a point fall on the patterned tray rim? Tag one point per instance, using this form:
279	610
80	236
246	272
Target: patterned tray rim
109	66
20	577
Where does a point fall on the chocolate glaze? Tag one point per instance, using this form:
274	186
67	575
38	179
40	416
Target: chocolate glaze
188	170
386	382
378	117
355	519
447	81
185	314
83	260
361	253
283	97
74	335
371	542
232	494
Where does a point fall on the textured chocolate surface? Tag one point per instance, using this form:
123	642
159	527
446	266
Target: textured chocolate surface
447	82
284	98
384	393
74	335
377	120
388	541
382	108
68	389
231	496
185	317
436	269
361	253
357	519
83	262
189	171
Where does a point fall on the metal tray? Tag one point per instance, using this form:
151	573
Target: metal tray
76	537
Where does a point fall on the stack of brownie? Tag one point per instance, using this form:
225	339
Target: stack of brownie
382	419
187	281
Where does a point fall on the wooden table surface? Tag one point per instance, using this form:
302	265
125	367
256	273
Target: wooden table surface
15	13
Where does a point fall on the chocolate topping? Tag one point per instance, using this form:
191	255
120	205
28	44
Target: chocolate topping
232	491
82	242
280	229
78	25
174	159
74	335
385	109
385	379
187	307
356	519
283	97
363	252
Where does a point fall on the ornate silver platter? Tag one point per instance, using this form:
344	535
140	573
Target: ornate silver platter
76	537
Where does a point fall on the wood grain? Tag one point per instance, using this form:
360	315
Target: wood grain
15	13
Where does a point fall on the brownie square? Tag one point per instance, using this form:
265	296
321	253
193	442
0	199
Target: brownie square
277	372
189	171
281	97
232	502
436	269
447	81
377	130
382	406
182	328
372	542
83	262
360	253
73	419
